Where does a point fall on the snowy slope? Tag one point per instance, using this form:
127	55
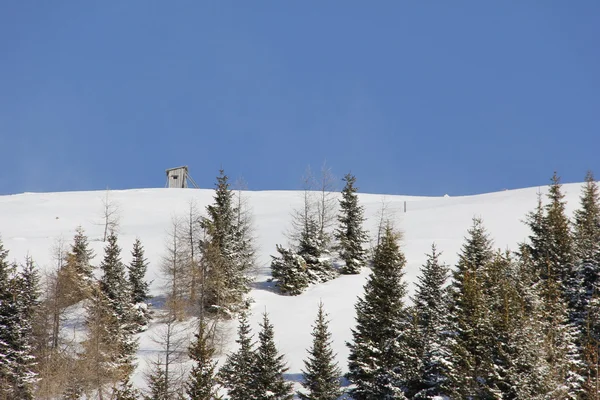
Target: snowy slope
30	223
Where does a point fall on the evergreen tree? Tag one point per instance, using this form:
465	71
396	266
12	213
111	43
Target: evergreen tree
377	361
550	252
16	360
559	241
202	383
431	311
237	374
114	286
587	272
311	249
560	351
587	245
268	370
82	255
471	347
228	250
101	347
350	234
290	272
321	372
139	289
76	276
126	391
158	386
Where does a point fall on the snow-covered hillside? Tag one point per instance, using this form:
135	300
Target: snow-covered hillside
31	223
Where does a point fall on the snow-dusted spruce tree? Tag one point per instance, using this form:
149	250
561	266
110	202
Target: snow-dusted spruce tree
269	367
237	375
113	284
16	311
513	344
140	292
321	372
77	275
350	234
289	271
380	358
550	250
469	321
98	368
231	253
560	243
156	380
202	381
431	312
126	391
587	244
587	271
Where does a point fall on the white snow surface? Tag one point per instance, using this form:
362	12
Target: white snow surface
31	223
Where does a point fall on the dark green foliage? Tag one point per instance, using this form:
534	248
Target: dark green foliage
202	383
158	386
376	361
290	272
16	310
350	234
471	345
138	286
269	367
321	372
76	277
227	251
140	291
113	282
101	348
114	286
587	247
237	373
431	313
82	255
126	391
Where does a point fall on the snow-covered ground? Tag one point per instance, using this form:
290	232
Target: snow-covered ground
31	223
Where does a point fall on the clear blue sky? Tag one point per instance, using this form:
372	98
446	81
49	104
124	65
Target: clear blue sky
413	97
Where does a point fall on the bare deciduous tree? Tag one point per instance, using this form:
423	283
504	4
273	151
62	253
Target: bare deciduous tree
173	268
326	204
173	337
111	215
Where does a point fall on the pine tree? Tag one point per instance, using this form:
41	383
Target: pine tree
202	383
587	273
471	351
158	386
101	347
587	245
350	234
551	253
232	257
16	308
431	310
381	319
560	257
139	290
126	391
114	286
237	373
83	255
75	278
268	370
290	272
321	371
